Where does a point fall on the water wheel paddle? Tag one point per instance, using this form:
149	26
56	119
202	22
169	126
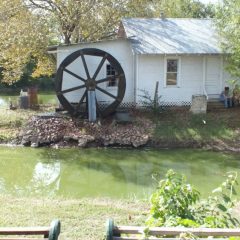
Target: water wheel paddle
89	82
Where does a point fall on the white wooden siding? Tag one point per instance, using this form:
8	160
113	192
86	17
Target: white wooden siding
152	69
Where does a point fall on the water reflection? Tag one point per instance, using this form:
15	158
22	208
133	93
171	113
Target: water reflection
46	178
42	98
114	173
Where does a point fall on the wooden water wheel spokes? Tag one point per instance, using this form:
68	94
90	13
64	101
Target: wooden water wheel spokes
89	83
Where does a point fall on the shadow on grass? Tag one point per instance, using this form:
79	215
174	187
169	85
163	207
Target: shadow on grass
188	127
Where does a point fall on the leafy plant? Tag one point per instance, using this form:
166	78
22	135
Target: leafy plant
216	210
171	202
149	102
177	203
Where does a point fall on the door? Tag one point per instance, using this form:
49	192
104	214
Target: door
213	84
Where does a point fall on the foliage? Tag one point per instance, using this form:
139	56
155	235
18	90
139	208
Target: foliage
23	36
78	21
175	202
183	9
216	210
228	21
152	104
172	201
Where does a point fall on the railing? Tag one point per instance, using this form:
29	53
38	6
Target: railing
155	233
26	233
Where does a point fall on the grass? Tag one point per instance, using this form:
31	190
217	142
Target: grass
11	121
180	126
81	219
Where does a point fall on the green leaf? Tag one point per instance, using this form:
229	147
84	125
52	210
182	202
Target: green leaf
222	207
226	198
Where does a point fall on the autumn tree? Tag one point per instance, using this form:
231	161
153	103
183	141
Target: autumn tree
23	36
79	21
228	23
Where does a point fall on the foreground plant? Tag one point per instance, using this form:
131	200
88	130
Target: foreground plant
177	203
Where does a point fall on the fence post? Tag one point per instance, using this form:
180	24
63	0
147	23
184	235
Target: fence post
109	227
55	229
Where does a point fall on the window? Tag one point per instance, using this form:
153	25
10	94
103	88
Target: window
113	82
172	72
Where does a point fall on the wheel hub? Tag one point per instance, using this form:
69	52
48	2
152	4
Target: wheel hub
91	84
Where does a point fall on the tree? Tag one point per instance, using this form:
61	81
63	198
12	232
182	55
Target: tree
23	37
79	21
228	22
182	9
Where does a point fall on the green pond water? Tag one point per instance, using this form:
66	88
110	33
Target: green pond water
43	98
116	173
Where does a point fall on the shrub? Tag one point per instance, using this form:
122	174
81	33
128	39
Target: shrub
150	103
177	203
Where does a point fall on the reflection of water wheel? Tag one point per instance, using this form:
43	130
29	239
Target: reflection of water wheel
90	82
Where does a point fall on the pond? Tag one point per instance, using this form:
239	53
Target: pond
116	173
43	98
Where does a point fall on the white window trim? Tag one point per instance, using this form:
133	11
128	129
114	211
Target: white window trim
178	72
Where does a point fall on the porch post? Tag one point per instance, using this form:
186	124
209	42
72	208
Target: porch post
204	76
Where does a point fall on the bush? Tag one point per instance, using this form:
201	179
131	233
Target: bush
177	203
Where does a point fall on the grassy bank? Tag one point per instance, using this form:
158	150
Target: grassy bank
173	128
11	121
181	125
81	219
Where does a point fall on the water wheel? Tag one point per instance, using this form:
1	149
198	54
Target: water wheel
77	75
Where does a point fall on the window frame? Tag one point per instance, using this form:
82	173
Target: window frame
178	71
107	83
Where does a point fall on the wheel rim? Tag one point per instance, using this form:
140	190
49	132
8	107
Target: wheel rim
90	83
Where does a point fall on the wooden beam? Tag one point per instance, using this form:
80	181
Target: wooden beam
174	231
23	238
24	231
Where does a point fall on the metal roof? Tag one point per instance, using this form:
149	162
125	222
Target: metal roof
172	36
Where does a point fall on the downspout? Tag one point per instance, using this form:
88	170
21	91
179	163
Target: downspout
136	65
134	76
221	74
204	77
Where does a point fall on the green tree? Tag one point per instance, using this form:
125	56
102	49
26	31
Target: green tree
183	9
228	22
78	21
23	37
